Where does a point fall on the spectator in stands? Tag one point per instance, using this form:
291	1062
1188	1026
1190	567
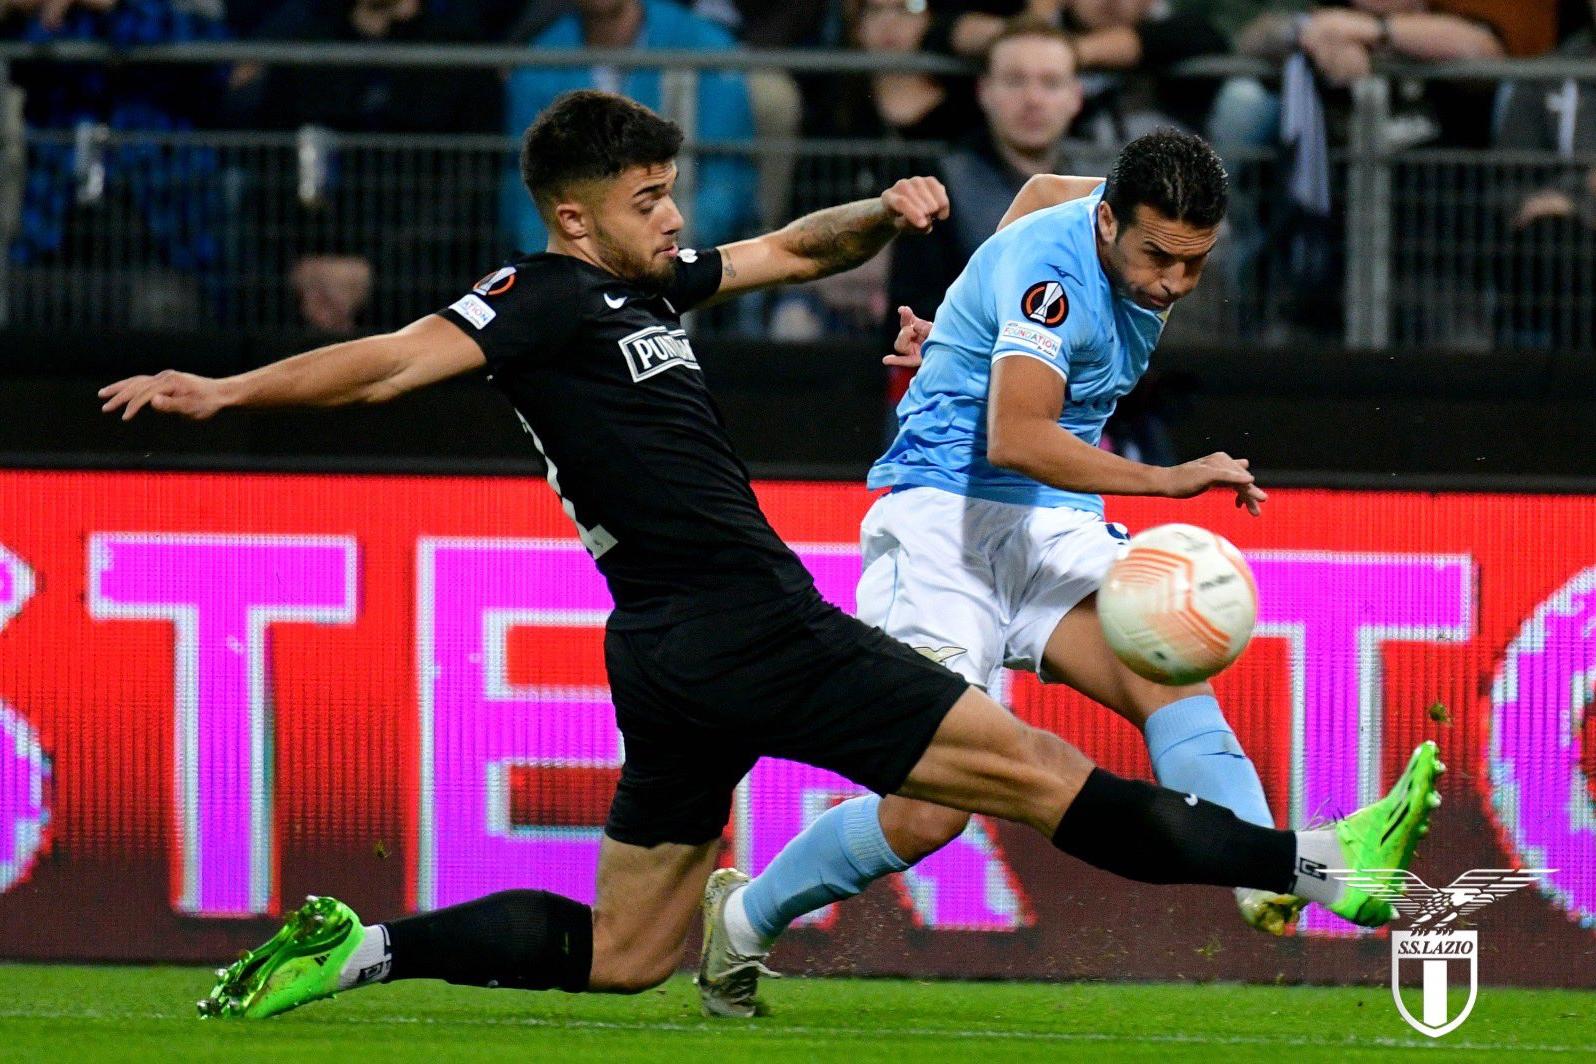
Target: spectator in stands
330	263
1326	49
725	206
1230	17
1547	280
52	14
903	107
790	24
1131	44
774	94
1029	94
375	99
894	106
162	202
1343	40
967	27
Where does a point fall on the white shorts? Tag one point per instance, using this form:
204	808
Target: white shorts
978	585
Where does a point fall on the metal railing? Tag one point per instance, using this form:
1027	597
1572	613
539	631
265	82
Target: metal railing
245	230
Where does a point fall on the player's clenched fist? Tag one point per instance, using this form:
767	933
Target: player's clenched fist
916	203
169	391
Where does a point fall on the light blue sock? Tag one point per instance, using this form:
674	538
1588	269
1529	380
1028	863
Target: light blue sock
836	857
1194	750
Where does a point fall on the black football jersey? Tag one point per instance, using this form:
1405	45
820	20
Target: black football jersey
605	382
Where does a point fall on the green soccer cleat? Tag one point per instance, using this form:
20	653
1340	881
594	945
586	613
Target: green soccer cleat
298	964
1379	839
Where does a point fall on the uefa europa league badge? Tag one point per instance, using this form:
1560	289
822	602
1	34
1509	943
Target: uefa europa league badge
1431	950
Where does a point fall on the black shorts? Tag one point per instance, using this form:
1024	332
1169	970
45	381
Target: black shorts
700	702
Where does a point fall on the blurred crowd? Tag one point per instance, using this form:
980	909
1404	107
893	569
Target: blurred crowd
1060	84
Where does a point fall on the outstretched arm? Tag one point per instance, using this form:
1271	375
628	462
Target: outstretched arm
1023	434
833	240
370	370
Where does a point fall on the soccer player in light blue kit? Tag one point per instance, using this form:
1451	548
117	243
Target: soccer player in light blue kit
989	549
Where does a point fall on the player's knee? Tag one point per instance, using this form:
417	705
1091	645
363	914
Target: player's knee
917	830
1054	773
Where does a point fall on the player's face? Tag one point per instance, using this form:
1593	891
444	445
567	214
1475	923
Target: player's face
635	223
1030	93
1150	258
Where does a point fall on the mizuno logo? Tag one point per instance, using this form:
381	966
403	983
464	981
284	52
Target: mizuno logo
614	302
940	655
1191	800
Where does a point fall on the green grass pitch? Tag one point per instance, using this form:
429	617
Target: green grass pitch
60	1013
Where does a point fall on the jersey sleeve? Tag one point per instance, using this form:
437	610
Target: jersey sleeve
1040	307
697	278
519	315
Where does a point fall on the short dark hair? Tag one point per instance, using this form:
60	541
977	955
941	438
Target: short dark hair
1028	26
587	135
1175	173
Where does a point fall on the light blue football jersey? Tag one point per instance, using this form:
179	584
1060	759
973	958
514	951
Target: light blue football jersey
1035	289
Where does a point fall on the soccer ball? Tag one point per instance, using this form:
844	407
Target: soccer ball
1178	605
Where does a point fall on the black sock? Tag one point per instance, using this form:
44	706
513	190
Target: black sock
526	939
1154	835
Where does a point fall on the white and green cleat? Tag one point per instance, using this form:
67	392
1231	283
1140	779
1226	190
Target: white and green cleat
1379	839
1271	913
299	964
727	980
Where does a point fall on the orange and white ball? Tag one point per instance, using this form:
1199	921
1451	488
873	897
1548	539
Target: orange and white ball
1179	604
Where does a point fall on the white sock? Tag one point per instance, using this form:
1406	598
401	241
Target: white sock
744	939
371	962
1317	851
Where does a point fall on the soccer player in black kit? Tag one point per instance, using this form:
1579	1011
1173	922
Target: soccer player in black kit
719	650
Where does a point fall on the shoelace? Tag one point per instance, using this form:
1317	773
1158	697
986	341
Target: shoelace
741	978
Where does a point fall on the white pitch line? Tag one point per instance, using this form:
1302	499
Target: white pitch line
641	1026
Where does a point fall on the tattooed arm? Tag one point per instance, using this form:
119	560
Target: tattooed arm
832	240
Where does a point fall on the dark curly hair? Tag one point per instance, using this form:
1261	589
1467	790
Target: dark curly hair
588	135
1177	174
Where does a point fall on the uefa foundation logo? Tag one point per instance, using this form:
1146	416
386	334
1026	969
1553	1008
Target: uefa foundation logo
1431	943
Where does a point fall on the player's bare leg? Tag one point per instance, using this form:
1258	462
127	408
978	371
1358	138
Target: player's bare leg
860	840
637	944
1192	746
984	760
